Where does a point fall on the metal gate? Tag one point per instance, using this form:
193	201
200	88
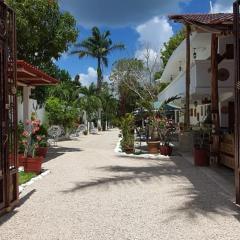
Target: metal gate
8	111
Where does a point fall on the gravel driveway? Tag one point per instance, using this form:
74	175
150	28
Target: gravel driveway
91	194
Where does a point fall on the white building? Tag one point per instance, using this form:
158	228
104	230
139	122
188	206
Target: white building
200	78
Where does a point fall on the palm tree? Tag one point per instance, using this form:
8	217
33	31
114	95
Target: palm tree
90	102
109	106
98	46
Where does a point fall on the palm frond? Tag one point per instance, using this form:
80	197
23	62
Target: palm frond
119	46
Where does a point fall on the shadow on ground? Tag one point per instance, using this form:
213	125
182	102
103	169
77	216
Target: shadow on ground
202	196
56	151
22	200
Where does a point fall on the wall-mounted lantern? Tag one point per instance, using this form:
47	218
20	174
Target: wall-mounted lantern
180	66
194	53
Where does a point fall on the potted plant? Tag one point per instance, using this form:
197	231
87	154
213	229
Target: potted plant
42	148
201	148
153	131
31	139
127	127
127	144
166	130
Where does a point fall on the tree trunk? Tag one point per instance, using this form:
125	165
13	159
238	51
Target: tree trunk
188	59
99	74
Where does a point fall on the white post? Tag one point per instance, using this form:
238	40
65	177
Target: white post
99	118
26	95
175	116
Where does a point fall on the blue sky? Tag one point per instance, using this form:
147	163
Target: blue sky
136	23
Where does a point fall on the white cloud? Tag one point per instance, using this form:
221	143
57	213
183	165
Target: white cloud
150	55
152	36
223	6
90	77
155	32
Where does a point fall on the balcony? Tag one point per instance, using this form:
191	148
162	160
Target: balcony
200	81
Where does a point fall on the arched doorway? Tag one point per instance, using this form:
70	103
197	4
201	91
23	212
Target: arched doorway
8	108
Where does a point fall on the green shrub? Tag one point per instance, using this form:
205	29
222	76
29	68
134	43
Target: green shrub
127	127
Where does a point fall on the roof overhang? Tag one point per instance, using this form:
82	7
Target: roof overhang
220	23
28	75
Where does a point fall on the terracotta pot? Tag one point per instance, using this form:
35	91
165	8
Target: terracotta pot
153	147
21	159
33	164
166	150
201	157
42	151
129	150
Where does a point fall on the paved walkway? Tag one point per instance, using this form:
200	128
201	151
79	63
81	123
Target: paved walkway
93	195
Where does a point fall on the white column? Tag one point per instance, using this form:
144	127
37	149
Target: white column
26	95
99	122
175	116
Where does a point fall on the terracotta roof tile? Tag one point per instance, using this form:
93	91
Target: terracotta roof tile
208	19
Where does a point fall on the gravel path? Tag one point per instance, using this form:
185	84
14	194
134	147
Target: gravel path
91	194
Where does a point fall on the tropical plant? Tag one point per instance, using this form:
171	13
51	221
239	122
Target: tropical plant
59	112
127	124
109	105
171	45
166	130
97	46
30	137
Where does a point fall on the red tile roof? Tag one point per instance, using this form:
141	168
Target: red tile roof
206	19
29	75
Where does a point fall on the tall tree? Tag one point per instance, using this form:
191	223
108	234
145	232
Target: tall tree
98	46
43	31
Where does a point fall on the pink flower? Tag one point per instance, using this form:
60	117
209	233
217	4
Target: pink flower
28	122
25	133
39	138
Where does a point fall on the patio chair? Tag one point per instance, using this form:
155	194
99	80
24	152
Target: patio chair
54	132
77	132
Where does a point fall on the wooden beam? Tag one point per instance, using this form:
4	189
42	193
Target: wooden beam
188	65
215	98
237	99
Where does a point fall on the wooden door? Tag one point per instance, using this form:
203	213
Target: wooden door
8	111
3	137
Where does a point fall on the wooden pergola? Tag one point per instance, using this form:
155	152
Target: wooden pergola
219	24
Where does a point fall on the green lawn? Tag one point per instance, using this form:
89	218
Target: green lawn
25	177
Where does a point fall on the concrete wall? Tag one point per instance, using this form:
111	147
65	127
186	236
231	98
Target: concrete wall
41	114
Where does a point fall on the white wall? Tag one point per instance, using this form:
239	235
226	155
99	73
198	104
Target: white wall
41	114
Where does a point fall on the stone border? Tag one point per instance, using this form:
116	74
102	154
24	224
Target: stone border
31	181
120	153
